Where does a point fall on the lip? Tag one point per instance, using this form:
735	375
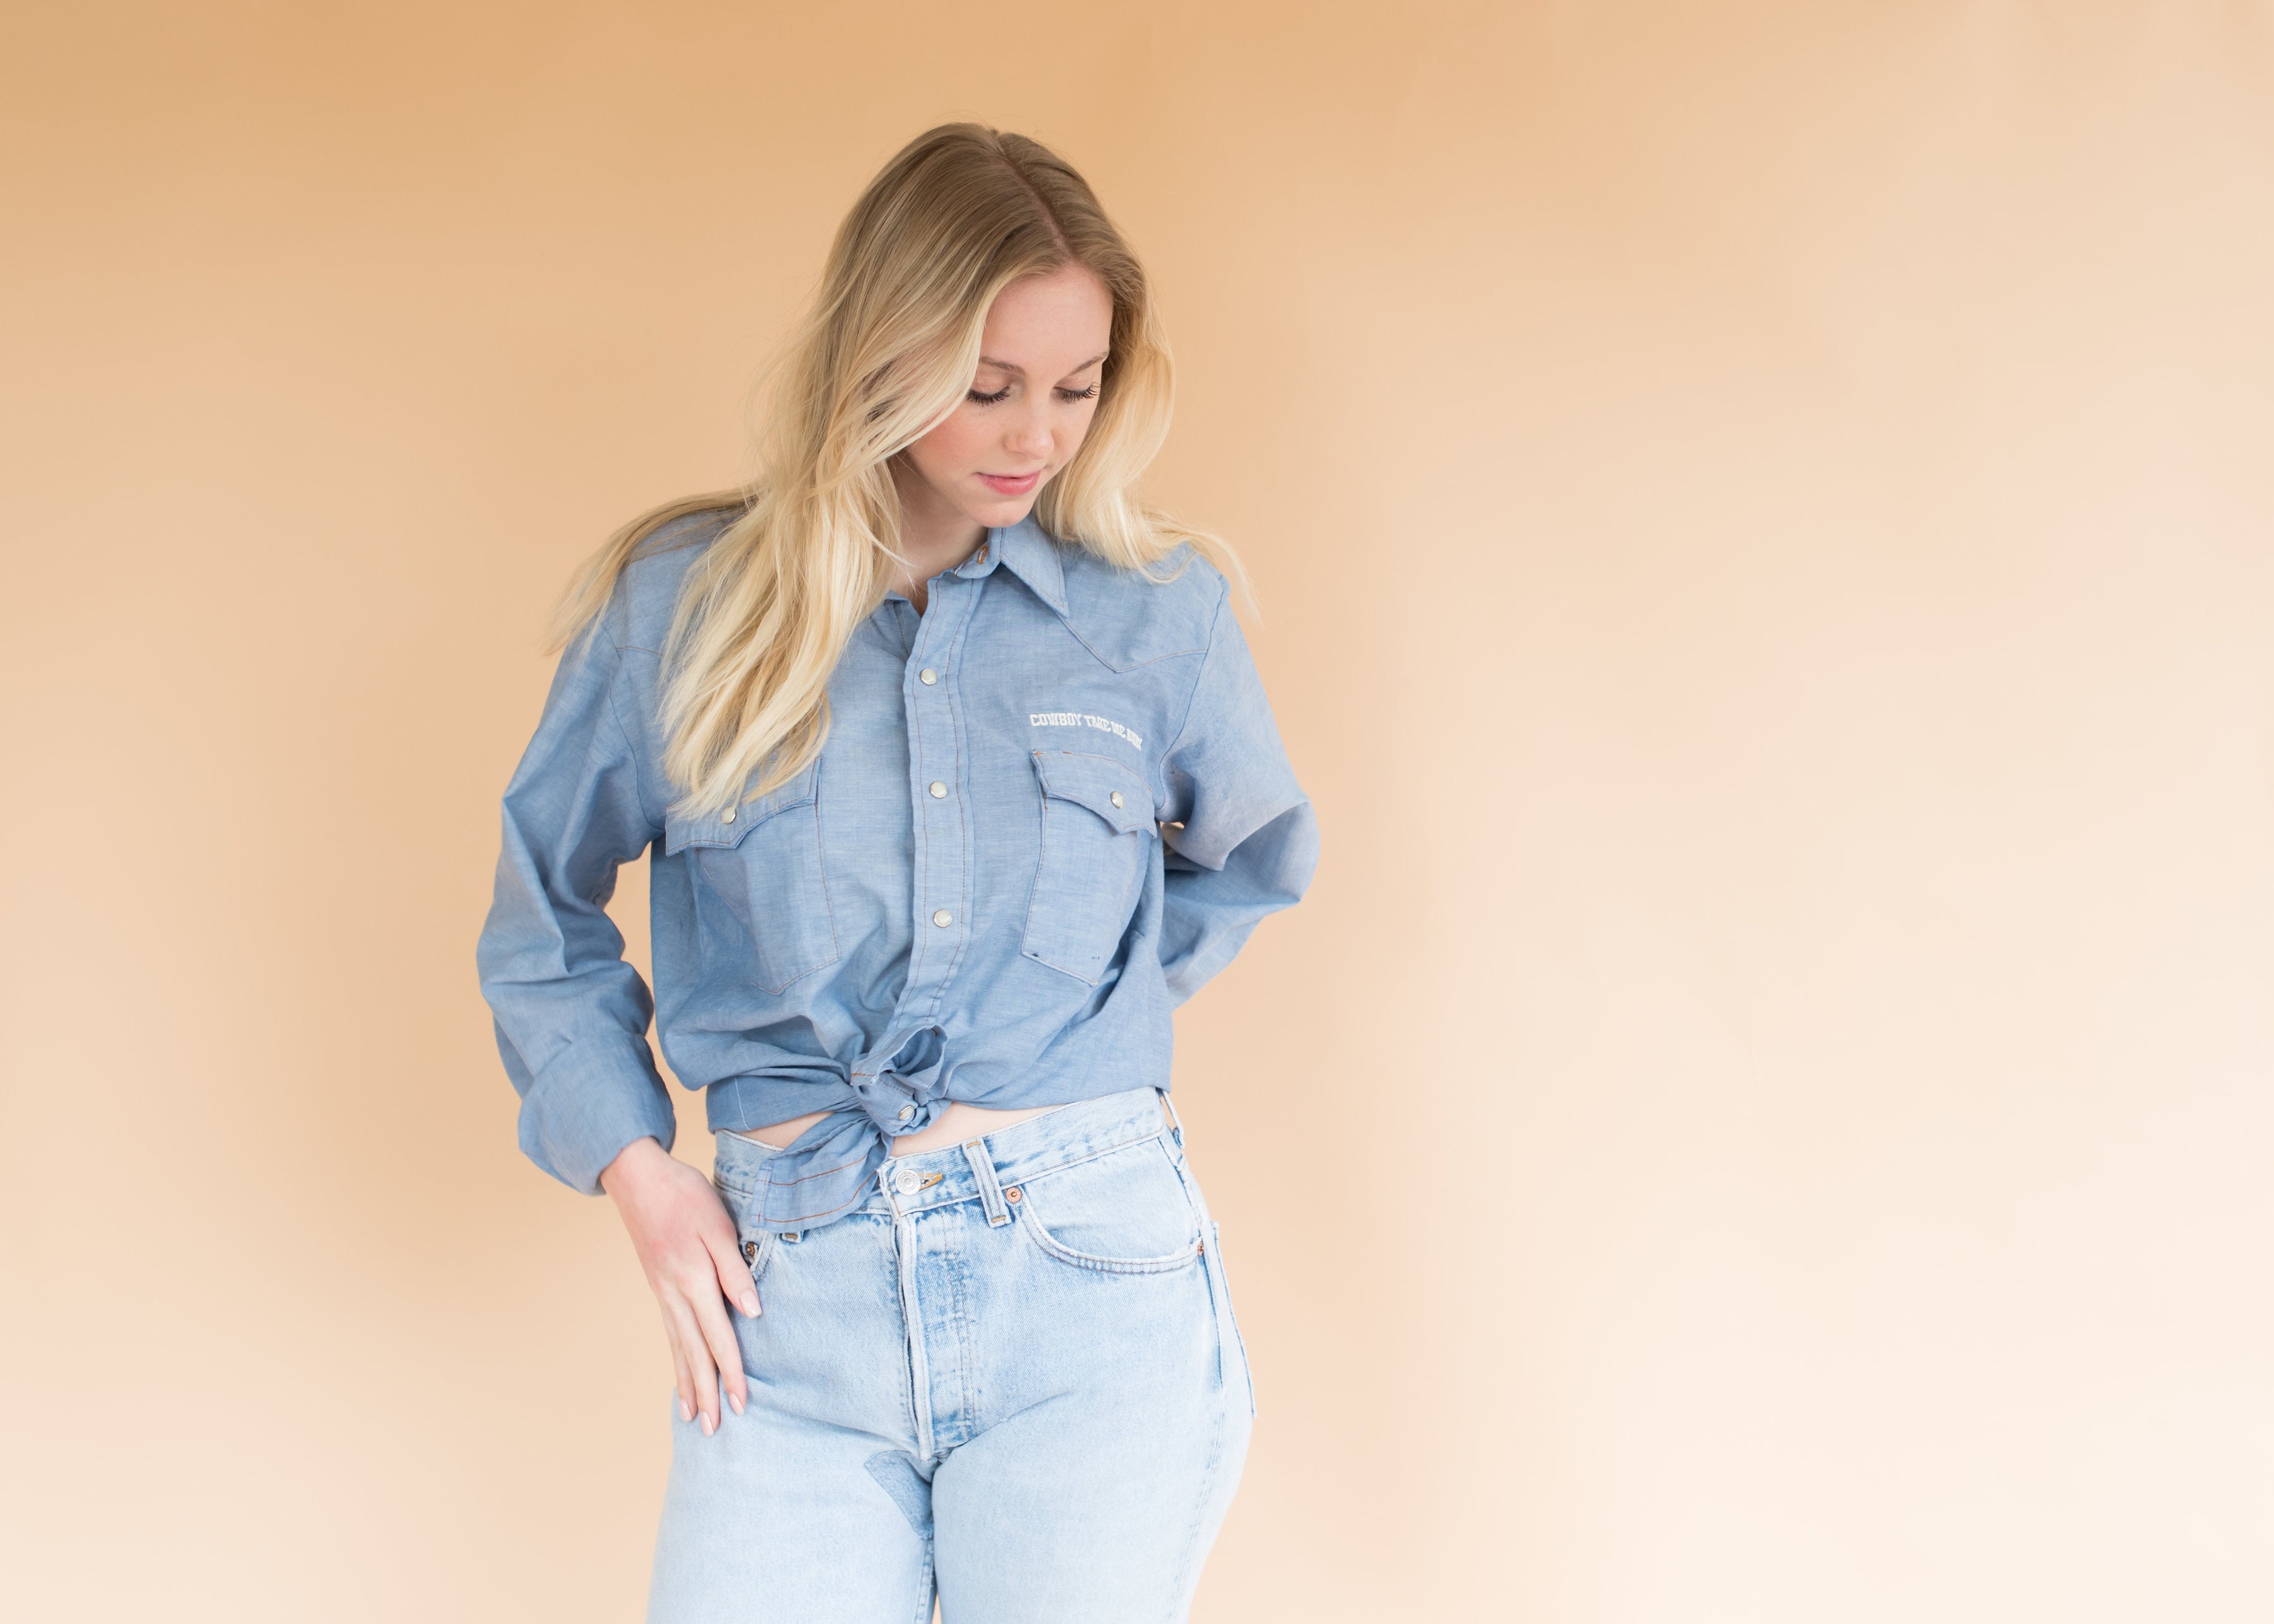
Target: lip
1012	485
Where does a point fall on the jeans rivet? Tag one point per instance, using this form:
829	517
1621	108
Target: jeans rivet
1012	1194
750	1251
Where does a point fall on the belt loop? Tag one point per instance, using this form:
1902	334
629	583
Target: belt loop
990	1192
1176	1127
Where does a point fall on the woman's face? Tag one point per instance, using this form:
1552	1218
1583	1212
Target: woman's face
1041	355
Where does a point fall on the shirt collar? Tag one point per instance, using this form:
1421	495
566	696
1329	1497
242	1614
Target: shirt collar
1028	554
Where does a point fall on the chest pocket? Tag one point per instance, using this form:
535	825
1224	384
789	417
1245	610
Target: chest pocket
1097	836
758	876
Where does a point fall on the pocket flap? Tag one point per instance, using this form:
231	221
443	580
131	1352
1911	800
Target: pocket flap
730	828
1115	792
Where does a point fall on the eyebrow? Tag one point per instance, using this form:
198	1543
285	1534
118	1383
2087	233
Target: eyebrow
1021	372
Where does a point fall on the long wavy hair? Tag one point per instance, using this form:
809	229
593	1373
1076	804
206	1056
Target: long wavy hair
886	353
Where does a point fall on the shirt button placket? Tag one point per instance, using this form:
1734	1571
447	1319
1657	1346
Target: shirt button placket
933	766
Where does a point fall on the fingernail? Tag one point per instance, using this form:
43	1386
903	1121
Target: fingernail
735	1399
685	1413
751	1307
707	1427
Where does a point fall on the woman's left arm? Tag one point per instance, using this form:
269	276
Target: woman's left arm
1249	840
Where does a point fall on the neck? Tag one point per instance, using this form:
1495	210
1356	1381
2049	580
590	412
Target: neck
934	535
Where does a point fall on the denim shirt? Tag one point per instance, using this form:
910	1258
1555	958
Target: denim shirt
1049	808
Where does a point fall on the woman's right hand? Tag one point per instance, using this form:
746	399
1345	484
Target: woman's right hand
685	1241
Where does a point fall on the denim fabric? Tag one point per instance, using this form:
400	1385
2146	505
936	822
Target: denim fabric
1048	808
1011	1370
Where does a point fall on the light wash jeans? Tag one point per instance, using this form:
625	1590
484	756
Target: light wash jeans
1010	1372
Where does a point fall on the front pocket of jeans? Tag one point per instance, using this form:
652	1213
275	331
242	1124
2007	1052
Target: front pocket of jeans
1096	833
1123	1213
760	879
756	1244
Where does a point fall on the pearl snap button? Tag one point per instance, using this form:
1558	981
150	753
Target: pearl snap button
1116	797
727	817
943	919
927	676
938	790
906	1111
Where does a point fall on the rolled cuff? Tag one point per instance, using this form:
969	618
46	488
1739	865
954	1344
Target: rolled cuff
595	1097
1208	912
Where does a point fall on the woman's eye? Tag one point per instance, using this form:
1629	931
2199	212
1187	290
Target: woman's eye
1090	394
996	399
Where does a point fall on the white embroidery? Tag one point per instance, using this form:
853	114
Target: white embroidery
1077	719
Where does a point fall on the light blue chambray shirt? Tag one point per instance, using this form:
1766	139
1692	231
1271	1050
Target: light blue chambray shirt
970	896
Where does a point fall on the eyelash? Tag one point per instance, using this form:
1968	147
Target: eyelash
1004	394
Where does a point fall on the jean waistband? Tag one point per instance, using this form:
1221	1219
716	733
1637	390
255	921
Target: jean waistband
940	1177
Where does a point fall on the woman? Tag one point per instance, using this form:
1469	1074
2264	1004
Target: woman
958	779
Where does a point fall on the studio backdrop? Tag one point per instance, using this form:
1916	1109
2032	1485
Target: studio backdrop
1759	517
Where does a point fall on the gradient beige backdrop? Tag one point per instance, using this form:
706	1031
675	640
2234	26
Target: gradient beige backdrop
1762	513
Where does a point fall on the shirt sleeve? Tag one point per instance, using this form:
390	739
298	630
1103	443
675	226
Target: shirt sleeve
572	1017
1250	840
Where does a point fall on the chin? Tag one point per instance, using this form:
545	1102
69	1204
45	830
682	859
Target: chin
1001	514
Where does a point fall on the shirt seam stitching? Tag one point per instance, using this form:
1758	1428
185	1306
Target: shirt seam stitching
1192	700
637	750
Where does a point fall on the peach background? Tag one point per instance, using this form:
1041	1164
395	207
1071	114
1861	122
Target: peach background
1761	511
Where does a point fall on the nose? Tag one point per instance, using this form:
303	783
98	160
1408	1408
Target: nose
1028	437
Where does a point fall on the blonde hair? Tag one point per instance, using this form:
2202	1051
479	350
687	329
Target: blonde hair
886	353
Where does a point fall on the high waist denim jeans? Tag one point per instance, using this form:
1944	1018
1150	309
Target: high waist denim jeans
1010	1372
